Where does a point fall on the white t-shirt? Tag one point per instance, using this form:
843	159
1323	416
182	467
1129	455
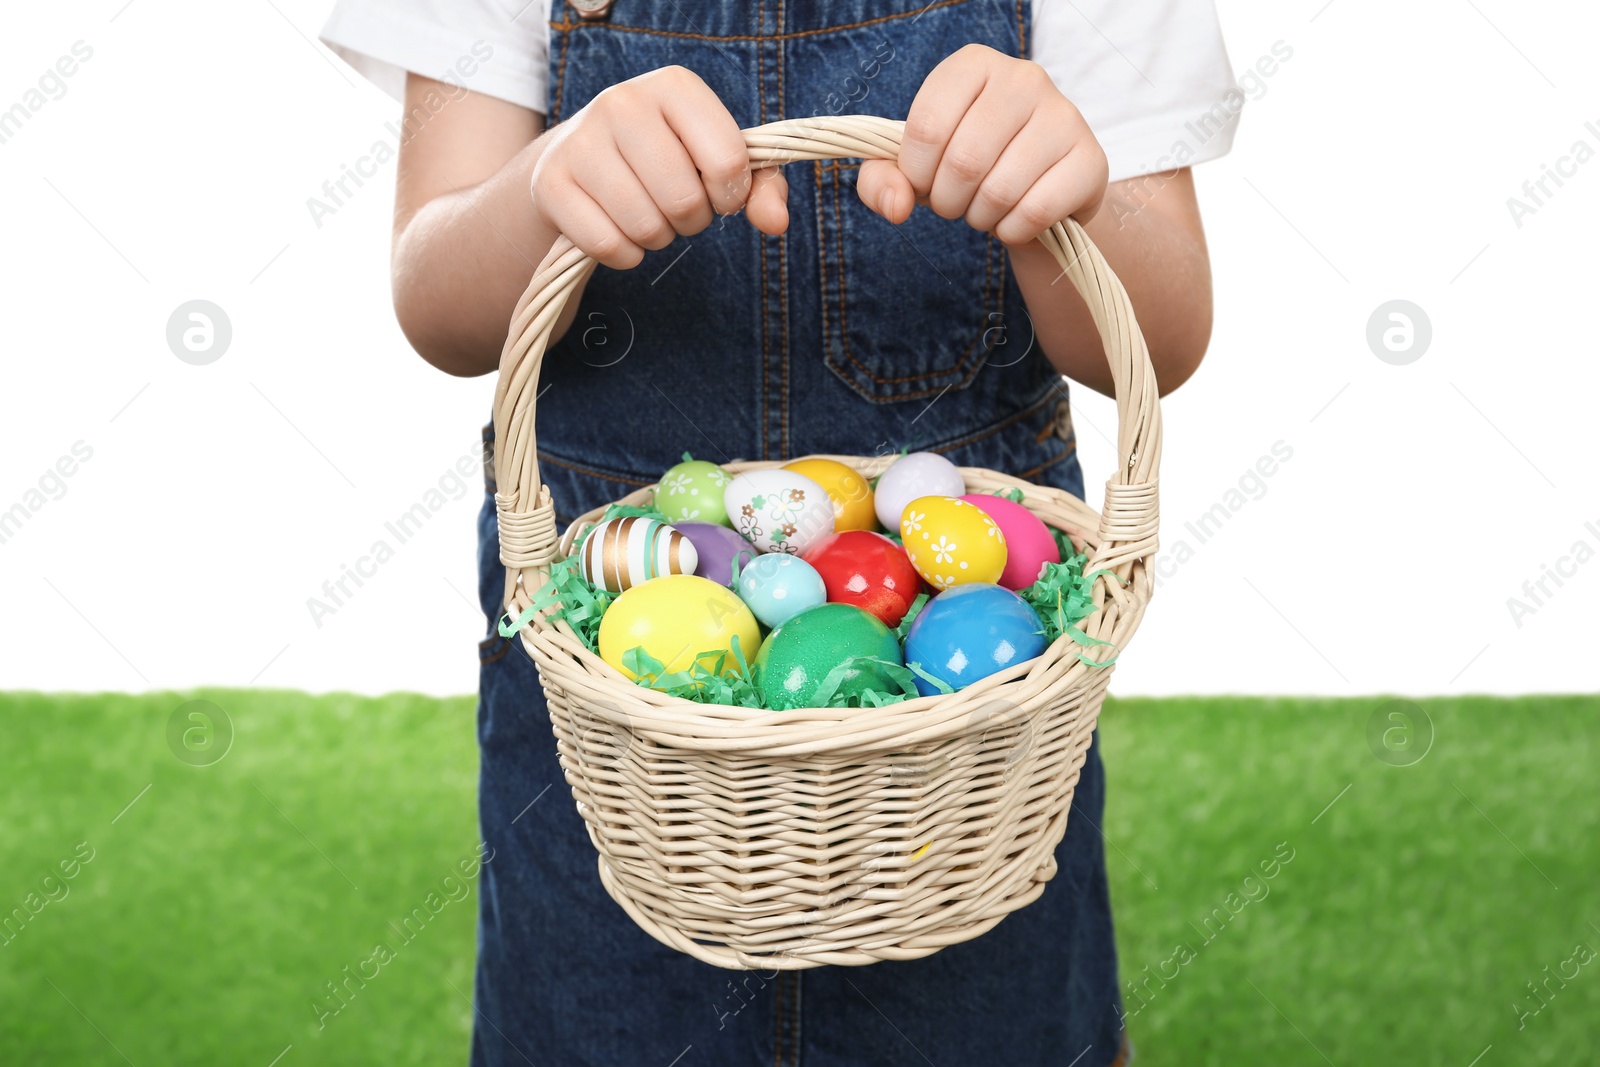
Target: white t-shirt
1152	78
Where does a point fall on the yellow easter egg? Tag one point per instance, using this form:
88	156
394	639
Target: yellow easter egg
678	618
850	492
951	542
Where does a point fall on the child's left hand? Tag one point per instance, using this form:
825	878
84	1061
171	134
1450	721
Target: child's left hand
991	139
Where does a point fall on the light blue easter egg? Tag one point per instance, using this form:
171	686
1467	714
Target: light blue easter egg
777	586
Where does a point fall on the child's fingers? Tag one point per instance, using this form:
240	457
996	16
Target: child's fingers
633	210
884	188
661	162
1025	160
944	98
1074	186
713	140
970	156
588	226
768	207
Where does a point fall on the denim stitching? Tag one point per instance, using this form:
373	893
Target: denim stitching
1033	472
822	251
783	243
766	345
958	368
761	240
562	27
783	20
651	31
1004	423
777	1020
545	457
838	248
505	646
761	96
797	1034
489	483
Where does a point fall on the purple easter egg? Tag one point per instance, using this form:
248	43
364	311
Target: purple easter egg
718	547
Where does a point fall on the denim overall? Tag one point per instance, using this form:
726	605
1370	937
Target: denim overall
844	335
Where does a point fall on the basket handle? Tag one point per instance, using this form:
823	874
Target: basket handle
528	536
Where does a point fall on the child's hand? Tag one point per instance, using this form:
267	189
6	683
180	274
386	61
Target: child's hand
990	138
647	159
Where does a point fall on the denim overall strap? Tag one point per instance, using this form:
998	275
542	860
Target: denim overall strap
845	335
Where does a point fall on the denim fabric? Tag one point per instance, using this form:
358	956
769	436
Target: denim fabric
844	335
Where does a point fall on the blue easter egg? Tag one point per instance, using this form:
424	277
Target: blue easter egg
972	631
777	586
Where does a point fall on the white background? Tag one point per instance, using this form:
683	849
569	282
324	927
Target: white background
1376	165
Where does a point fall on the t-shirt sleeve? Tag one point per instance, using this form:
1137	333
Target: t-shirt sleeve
497	47
1152	78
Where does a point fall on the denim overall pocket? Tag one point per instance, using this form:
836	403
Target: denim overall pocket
920	273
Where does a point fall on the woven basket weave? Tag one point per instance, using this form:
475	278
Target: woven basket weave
758	839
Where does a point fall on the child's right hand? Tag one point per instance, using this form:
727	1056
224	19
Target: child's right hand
648	159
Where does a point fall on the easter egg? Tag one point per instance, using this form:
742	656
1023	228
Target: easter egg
777	586
911	476
778	510
970	632
1029	544
678	619
620	553
797	658
720	550
868	570
849	491
952	542
691	491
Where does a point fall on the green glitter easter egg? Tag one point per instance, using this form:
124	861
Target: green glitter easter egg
797	658
692	492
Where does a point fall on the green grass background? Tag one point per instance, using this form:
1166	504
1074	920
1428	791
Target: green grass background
1403	931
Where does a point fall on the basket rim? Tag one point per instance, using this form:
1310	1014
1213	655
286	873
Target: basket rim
673	720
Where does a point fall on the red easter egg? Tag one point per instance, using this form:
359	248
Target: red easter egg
868	570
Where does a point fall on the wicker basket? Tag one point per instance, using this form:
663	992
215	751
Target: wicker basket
758	839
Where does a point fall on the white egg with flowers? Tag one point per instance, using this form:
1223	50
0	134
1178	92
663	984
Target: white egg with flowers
779	510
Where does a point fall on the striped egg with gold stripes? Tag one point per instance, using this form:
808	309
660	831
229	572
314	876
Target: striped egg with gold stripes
620	553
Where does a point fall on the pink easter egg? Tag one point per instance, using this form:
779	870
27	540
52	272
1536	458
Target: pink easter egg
1029	544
